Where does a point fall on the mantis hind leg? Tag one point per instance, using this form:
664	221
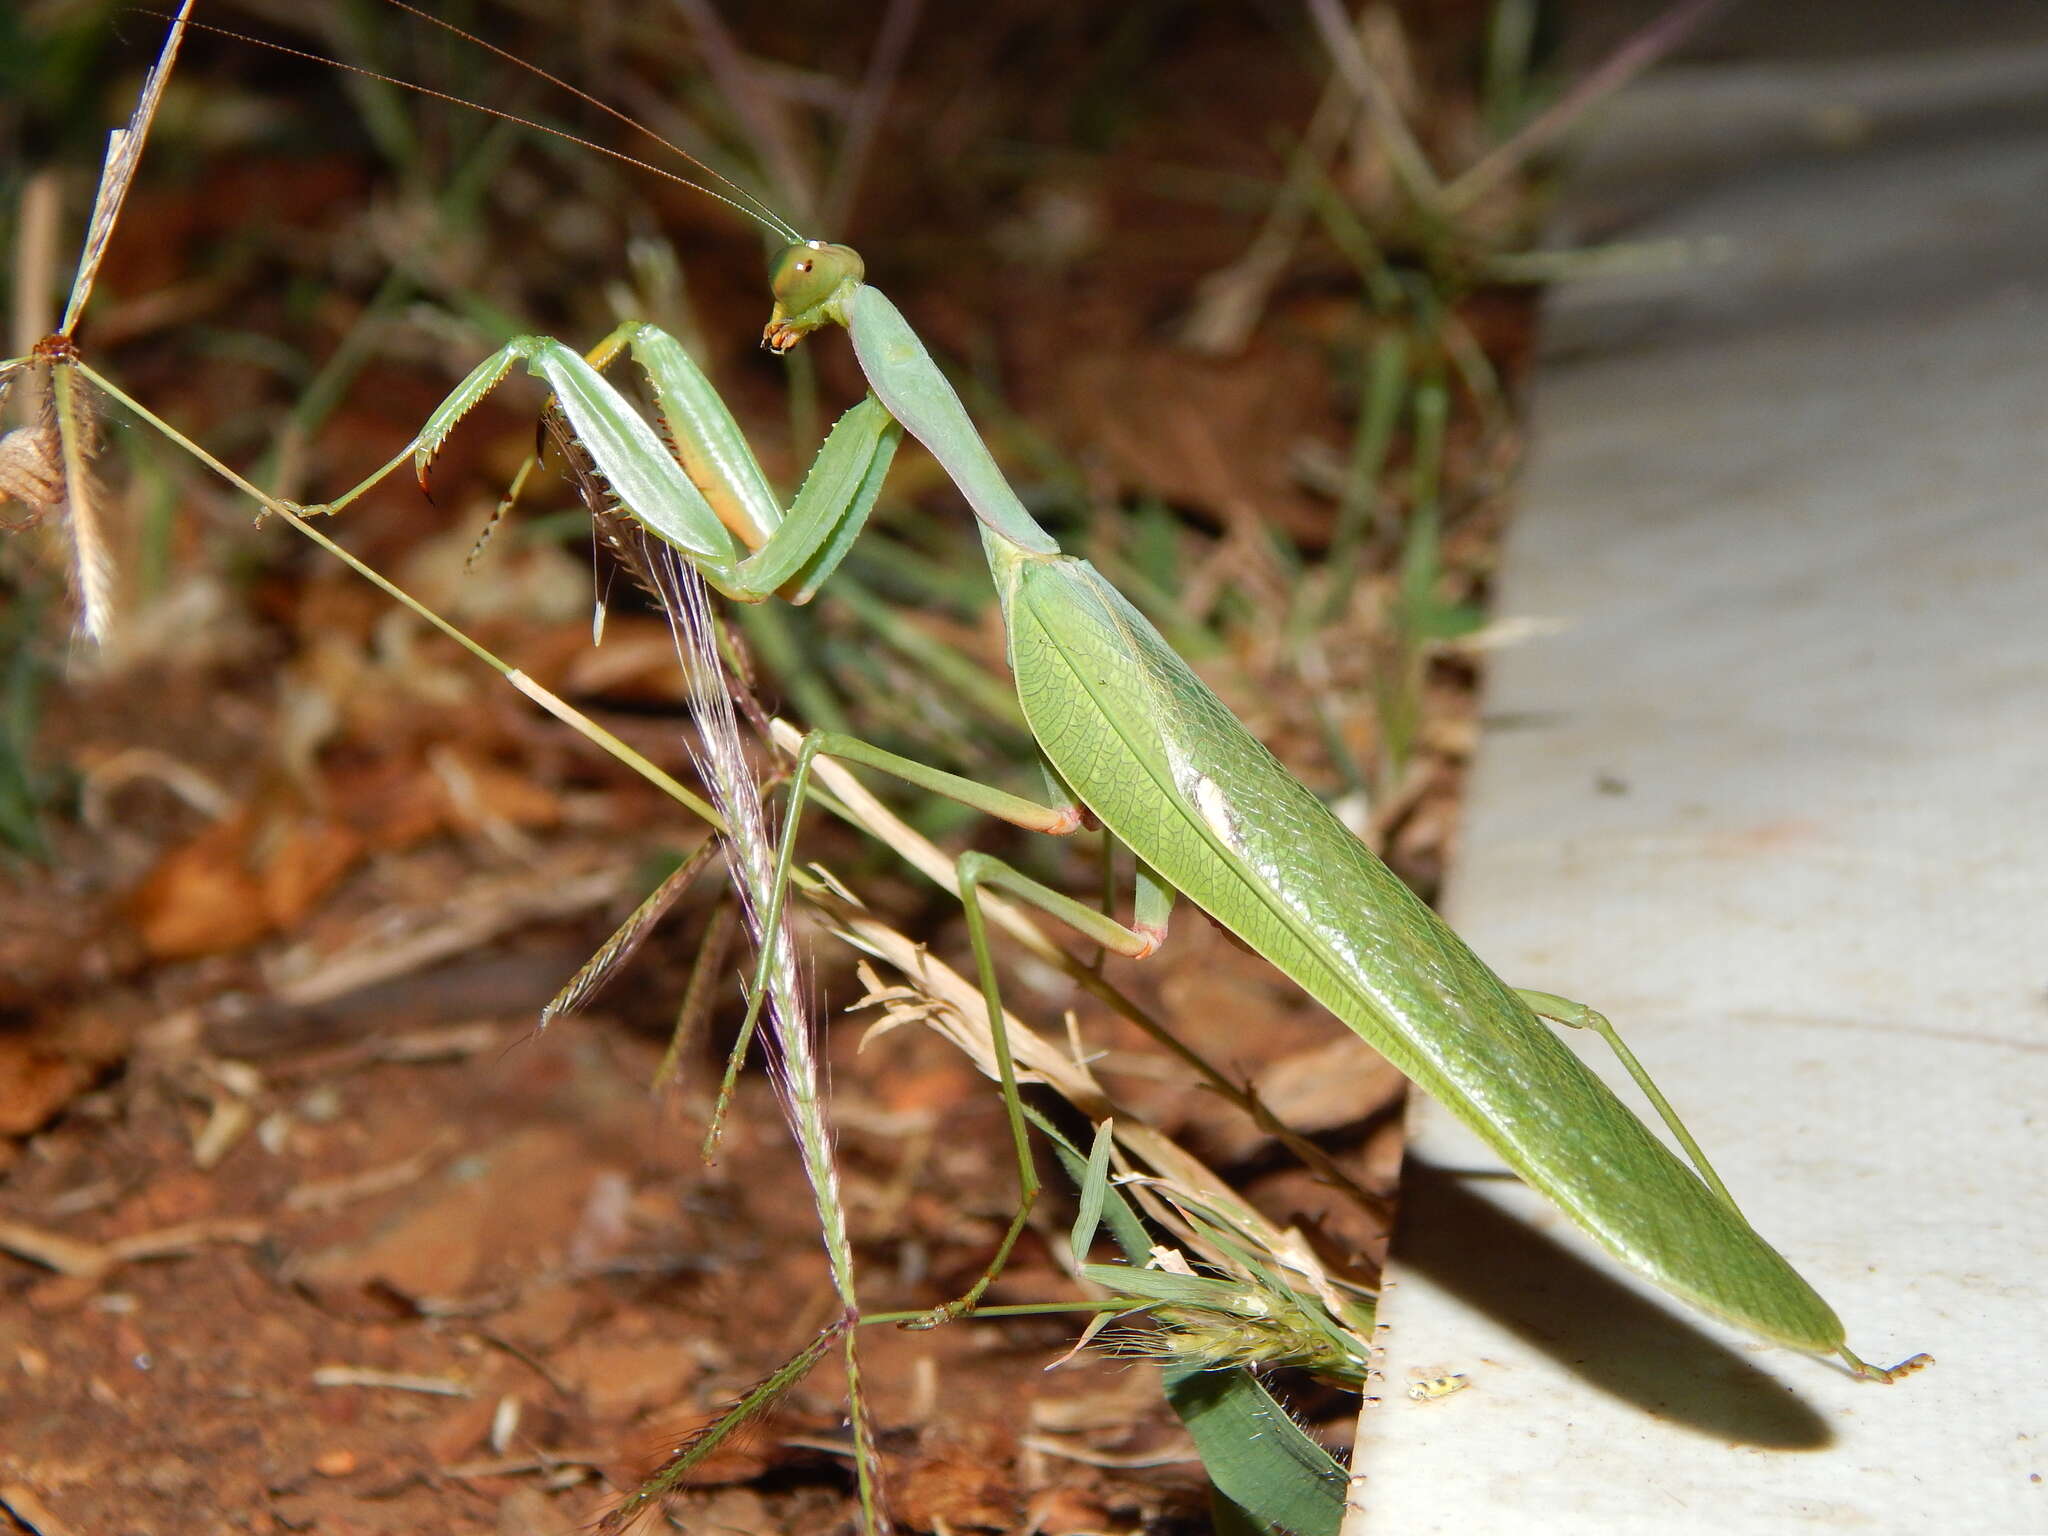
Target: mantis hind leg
1562	1010
1884	1374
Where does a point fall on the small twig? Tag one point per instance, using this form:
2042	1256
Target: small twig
539	1461
389	1381
104	780
94	1261
35	259
739	81
485	915
531	1361
1168	1456
53	1250
23	1503
1229	301
329	1194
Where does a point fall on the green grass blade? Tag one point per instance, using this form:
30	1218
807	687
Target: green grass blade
1094	1191
1258	1458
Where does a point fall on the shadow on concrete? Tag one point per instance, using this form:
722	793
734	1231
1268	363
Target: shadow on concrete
1609	1335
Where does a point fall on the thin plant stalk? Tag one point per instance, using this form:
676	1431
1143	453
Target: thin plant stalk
751	856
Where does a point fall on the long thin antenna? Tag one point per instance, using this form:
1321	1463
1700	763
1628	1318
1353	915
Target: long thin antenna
603	106
761	214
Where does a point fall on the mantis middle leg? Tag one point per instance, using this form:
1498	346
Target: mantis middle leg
976	870
1562	1010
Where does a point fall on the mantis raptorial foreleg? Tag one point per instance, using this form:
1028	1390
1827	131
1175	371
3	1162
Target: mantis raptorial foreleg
709	498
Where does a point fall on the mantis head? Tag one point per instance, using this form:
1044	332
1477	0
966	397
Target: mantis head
812	282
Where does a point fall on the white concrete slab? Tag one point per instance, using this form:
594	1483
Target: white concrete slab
1777	801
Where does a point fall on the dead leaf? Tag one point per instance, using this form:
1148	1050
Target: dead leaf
35	1083
201	898
304	865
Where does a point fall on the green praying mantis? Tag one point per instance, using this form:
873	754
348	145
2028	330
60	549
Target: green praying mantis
1131	736
1130	733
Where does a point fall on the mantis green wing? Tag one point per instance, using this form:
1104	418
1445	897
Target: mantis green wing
1168	769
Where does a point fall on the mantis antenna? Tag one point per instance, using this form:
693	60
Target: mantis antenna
752	207
774	220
